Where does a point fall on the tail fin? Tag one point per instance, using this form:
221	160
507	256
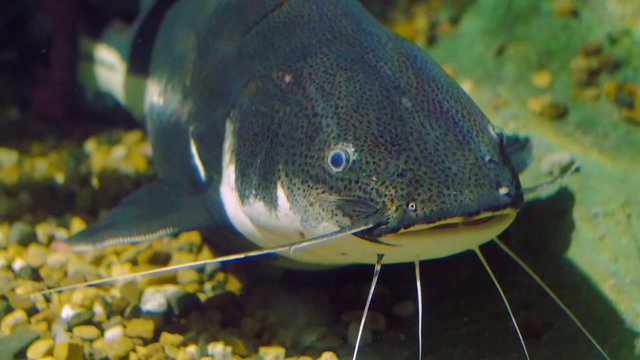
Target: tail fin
105	60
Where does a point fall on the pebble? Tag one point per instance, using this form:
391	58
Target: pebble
86	332
271	352
328	355
566	8
114	333
68	350
543	105
404	309
40	348
187	276
151	351
542	79
22	233
155	298
119	348
140	328
56	260
167	338
12	320
219	350
36	254
75	316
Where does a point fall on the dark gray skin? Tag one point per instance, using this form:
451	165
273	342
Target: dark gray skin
303	86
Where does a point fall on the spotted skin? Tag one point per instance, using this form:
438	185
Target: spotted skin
245	102
344	81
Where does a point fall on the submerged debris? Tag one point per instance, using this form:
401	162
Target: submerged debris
626	96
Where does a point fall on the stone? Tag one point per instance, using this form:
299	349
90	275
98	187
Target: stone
187	276
40	348
114	333
86	332
36	254
189	352
328	355
167	338
68	350
405	309
22	233
151	351
118	349
75	316
219	350
56	260
140	328
271	352
155	298
12	320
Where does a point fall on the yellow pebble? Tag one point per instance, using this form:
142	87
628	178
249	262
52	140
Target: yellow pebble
40	348
542	79
328	355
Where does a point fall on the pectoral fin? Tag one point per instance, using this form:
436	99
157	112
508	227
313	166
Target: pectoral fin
152	211
519	151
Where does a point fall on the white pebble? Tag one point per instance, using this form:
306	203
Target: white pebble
114	333
219	350
154	298
17	264
68	312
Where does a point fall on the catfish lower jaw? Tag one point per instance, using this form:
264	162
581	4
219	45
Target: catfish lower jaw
450	236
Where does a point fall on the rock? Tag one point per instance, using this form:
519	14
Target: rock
118	349
187	276
271	352
151	351
114	333
22	233
68	350
404	309
12	320
189	352
219	350
155	298
56	260
40	348
17	341
328	355
75	316
167	338
541	79
28	272
140	328
36	254
86	332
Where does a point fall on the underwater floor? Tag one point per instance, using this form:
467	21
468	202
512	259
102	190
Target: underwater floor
564	72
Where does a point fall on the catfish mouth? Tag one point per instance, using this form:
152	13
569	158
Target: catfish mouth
463	223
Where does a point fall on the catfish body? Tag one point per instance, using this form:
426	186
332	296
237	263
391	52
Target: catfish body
291	119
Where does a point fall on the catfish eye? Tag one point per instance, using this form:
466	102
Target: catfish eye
338	160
